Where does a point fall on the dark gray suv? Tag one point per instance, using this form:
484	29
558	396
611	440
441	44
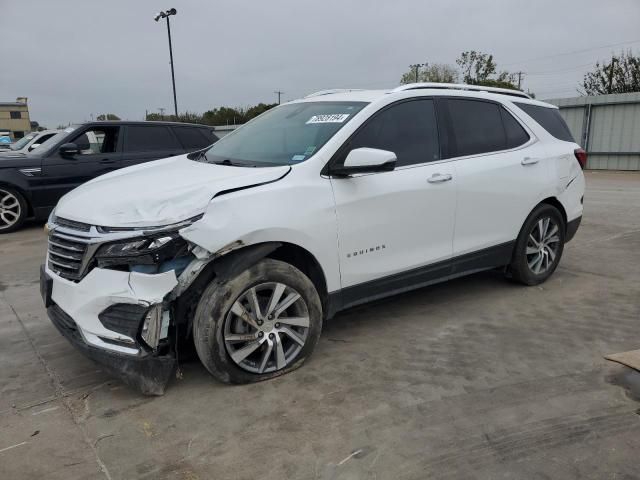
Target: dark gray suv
32	184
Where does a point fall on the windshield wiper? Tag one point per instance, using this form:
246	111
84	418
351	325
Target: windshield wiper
233	163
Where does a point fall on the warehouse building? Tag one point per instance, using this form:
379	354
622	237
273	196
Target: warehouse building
607	127
14	118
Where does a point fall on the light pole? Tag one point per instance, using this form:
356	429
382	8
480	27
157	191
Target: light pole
167	14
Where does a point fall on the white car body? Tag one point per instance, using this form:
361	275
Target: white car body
364	231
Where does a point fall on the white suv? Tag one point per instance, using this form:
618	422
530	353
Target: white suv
337	199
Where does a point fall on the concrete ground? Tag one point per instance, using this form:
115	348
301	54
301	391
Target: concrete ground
476	378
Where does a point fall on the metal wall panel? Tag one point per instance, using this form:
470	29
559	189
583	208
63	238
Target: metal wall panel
613	130
574	117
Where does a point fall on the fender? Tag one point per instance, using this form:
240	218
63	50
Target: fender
222	268
237	261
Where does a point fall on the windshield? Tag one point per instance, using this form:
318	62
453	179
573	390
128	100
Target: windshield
22	142
50	142
285	135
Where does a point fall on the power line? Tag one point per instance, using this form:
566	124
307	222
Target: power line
571	53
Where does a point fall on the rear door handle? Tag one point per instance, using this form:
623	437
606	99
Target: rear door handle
529	161
439	178
107	161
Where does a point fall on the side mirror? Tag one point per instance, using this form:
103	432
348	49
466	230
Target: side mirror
68	149
366	160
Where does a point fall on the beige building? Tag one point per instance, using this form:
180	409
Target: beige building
14	118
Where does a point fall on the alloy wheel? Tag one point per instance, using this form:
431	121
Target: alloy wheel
542	245
10	209
266	328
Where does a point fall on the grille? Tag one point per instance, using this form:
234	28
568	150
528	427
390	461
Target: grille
63	222
66	254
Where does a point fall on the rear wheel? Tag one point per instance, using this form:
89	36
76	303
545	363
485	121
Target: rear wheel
539	246
263	323
13	210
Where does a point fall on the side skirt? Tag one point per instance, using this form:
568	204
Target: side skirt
467	264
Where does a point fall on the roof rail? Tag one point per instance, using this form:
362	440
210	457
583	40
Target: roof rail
461	86
333	90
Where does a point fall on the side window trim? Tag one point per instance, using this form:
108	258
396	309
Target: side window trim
340	152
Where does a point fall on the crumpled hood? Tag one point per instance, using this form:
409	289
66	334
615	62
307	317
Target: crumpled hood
156	193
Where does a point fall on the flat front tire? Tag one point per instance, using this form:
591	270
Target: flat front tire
261	324
539	246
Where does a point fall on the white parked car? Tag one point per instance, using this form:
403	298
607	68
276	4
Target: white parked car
318	205
29	142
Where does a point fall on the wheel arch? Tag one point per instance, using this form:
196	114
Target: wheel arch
554	202
236	261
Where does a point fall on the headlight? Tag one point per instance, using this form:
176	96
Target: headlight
136	247
154	252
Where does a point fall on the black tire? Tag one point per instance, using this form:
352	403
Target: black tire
214	309
7	222
520	267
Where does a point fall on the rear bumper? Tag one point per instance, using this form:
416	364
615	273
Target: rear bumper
145	372
572	228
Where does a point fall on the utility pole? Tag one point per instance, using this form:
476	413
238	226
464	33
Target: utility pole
613	61
279	93
161	112
167	14
519	80
416	67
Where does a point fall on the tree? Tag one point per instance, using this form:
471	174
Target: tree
259	109
108	116
478	69
620	75
224	116
437	72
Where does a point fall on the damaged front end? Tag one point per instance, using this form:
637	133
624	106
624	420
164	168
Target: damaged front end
112	293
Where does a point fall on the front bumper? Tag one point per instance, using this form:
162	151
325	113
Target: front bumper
76	308
145	372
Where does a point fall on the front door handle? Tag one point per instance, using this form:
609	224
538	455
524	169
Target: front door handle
529	161
107	161
439	178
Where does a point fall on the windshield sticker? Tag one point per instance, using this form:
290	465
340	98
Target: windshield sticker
329	118
310	150
298	158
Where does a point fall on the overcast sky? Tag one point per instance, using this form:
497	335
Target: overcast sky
74	58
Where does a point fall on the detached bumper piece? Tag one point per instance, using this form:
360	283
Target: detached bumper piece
147	373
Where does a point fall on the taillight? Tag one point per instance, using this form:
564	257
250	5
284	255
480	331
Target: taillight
581	156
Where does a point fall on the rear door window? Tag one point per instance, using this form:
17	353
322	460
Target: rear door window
516	135
192	138
149	138
477	127
408	129
549	119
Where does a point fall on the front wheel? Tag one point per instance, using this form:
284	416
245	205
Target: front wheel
539	246
13	210
263	323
